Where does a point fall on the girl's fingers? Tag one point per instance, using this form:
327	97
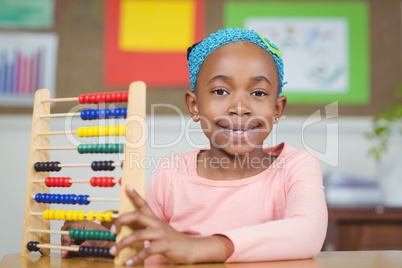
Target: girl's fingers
137	200
140	235
155	248
131	218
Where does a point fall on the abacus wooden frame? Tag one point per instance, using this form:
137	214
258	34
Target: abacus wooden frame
132	174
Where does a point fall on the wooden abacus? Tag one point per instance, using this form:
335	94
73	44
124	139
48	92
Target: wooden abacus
36	231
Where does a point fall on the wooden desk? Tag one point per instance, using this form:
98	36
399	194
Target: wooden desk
364	228
329	259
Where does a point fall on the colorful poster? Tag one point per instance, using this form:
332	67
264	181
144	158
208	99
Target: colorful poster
148	40
27	63
36	14
324	45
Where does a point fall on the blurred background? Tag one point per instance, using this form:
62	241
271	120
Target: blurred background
343	65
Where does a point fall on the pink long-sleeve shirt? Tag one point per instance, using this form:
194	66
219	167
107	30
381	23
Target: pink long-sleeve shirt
277	214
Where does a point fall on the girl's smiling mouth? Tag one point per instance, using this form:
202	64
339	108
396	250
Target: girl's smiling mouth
239	129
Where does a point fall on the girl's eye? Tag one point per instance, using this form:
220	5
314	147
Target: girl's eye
220	92
258	93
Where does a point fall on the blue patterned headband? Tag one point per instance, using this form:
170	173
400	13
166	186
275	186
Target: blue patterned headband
223	37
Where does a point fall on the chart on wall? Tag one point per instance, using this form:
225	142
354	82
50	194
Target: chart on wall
148	40
324	46
27	63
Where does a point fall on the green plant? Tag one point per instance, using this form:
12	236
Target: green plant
386	124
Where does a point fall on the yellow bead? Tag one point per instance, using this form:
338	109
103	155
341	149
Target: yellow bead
90	132
102	131
75	215
81	215
46	214
79	132
85	132
96	131
106	131
70	215
90	216
57	215
62	215
112	131
122	130
108	216
51	214
99	216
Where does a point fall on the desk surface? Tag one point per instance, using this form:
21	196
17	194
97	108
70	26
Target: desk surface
328	259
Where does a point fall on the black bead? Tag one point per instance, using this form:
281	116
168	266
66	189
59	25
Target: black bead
32	246
56	166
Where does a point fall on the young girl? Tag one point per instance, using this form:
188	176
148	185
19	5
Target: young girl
235	202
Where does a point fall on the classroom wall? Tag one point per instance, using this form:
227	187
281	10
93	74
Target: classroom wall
343	135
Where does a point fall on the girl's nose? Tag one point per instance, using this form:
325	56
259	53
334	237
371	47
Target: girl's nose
239	108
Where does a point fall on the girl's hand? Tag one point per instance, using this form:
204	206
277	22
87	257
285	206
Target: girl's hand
66	240
164	239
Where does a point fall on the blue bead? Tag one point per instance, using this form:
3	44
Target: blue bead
117	112
124	112
62	199
112	112
92	114
51	198
79	199
107	113
83	115
72	199
57	198
102	113
44	198
38	198
85	199
97	113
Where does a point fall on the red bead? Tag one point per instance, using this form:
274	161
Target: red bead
98	98
111	183
56	181
120	181
104	182
81	99
124	96
93	181
93	98
102	97
118	97
87	98
48	182
67	182
113	96
108	97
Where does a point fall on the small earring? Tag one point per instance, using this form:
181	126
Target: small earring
276	119
194	116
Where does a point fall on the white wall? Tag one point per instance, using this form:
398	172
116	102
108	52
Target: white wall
346	152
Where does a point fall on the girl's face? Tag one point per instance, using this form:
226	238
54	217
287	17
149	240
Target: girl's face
236	97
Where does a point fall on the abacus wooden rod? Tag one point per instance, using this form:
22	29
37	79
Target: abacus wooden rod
49	231
53	246
57	132
61	99
86	165
57	148
60	115
98	199
114	216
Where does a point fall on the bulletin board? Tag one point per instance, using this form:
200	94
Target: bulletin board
80	29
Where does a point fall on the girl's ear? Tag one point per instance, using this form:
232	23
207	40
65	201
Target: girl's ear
192	105
280	106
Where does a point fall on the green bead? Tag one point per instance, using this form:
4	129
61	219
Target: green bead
121	148
101	235
80	148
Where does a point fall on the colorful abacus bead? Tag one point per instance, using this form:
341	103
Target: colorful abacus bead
94	252
102	181
58	181
32	246
77	215
101	131
91	114
108	148
92	235
103	97
62	199
47	166
102	165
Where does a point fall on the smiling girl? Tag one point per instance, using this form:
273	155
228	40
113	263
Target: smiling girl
236	201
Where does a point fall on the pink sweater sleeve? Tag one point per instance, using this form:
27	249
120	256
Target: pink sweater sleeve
302	231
